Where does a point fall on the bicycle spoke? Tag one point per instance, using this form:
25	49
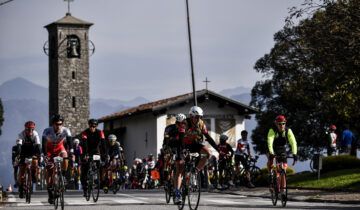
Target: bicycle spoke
194	190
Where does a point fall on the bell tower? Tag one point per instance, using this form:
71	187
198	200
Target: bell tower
69	49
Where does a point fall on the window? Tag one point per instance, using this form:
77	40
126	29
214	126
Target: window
73	47
74	102
73	75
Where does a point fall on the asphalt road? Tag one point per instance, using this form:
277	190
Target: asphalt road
155	200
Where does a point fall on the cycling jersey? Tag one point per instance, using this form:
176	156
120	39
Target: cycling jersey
30	145
91	142
193	134
78	151
115	152
53	143
225	148
277	141
171	135
242	147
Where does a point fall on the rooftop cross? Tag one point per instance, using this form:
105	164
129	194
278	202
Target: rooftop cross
206	82
69	5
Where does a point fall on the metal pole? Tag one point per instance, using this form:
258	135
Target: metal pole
191	59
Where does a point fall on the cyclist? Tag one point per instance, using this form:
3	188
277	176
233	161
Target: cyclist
242	157
15	161
53	140
277	138
224	156
171	137
76	159
28	147
191	136
114	155
91	140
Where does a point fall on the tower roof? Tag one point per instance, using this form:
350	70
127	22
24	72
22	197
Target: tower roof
70	20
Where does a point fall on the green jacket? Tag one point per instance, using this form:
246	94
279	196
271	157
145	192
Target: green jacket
279	139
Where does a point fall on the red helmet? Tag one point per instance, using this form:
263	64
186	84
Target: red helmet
280	118
333	127
29	124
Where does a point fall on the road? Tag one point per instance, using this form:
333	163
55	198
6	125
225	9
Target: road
155	200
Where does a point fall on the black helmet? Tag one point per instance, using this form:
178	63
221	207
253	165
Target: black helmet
93	122
223	137
56	118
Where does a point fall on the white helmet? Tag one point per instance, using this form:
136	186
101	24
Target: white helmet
196	111
19	141
112	137
76	141
180	117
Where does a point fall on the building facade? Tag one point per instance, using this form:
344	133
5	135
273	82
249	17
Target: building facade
68	50
141	129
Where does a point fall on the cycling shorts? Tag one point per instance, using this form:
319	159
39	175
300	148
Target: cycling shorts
56	151
243	160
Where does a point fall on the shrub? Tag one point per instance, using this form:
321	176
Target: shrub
333	163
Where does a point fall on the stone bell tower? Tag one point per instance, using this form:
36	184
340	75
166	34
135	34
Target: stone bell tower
69	48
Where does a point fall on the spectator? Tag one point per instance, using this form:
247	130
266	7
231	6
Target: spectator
348	140
332	137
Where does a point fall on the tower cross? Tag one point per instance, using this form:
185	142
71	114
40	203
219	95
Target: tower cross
206	82
68	1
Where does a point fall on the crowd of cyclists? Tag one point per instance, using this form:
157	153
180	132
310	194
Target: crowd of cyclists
185	136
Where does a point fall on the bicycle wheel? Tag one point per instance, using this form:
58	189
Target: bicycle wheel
255	174
90	186
273	188
28	185
183	193
55	190
96	185
168	188
194	189
61	189
283	188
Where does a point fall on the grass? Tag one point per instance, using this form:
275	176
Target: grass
339	180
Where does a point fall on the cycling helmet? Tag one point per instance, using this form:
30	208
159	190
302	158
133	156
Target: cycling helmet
19	141
280	118
180	117
29	124
333	127
76	141
112	137
93	122
125	168
196	111
223	137
56	118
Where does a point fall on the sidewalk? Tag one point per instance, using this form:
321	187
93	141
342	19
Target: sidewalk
308	195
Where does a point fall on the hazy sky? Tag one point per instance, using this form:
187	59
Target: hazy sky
142	45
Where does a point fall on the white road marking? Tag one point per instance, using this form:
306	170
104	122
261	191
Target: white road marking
128	201
223	201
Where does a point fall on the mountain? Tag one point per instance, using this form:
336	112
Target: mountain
235	91
243	98
116	103
20	88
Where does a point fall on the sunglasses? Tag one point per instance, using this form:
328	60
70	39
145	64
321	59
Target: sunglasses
198	117
29	129
58	124
281	123
93	126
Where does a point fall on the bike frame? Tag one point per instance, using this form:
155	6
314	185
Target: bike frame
28	179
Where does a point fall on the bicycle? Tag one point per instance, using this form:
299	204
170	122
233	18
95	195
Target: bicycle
255	173
169	186
93	178
191	181
28	180
278	185
228	170
113	178
58	183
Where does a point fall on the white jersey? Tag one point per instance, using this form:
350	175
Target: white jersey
54	141
34	139
241	147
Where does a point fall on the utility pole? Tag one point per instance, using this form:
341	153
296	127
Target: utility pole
191	58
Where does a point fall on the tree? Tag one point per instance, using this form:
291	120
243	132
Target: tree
313	75
1	115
